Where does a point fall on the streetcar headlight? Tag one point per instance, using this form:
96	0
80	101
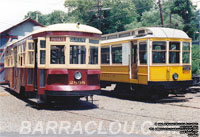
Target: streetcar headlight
77	75
175	76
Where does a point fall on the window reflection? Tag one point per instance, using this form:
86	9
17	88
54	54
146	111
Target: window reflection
143	52
57	55
117	54
77	54
93	55
105	55
159	52
174	52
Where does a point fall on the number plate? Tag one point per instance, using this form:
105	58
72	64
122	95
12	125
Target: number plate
77	82
186	67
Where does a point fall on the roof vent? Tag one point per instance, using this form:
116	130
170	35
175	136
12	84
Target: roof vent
77	24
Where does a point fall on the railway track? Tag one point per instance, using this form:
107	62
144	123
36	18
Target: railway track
192	107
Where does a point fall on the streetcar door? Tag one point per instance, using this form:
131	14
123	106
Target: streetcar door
15	67
35	65
41	62
134	60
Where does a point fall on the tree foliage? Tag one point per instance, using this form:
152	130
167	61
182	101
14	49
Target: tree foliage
143	6
42	19
195	59
185	9
119	13
56	16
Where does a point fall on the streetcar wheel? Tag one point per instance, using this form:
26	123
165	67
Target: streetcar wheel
22	92
141	94
43	99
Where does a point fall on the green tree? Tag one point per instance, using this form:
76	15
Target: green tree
195	59
42	19
185	9
143	6
56	16
152	18
120	13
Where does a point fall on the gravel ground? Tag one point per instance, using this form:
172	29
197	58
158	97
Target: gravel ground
108	116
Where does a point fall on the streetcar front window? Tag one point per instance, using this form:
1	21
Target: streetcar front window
77	54
93	55
159	52
174	52
186	52
57	54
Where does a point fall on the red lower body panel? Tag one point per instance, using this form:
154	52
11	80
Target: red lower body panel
53	80
61	80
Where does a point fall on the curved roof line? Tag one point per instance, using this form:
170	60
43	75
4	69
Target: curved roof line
167	32
68	27
61	27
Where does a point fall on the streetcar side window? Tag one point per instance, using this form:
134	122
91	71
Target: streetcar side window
57	54
77	54
42	44
105	55
21	54
30	46
143	52
117	54
30	53
159	52
42	52
186	52
93	55
42	56
174	52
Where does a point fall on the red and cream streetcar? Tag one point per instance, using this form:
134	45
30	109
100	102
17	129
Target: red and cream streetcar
57	60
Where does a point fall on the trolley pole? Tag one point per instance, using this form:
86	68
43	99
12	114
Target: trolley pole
161	16
170	20
99	13
199	39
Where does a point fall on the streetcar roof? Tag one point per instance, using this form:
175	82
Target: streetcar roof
69	27
168	32
145	32
61	27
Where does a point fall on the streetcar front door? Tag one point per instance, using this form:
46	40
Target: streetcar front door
134	58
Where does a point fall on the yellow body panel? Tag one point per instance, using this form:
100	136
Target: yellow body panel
164	73
115	73
121	74
142	75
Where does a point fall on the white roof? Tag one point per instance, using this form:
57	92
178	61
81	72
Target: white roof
69	27
150	32
62	27
167	32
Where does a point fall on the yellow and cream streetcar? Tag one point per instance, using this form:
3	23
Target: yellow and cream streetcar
146	61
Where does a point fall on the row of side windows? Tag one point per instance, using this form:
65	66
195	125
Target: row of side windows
116	54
